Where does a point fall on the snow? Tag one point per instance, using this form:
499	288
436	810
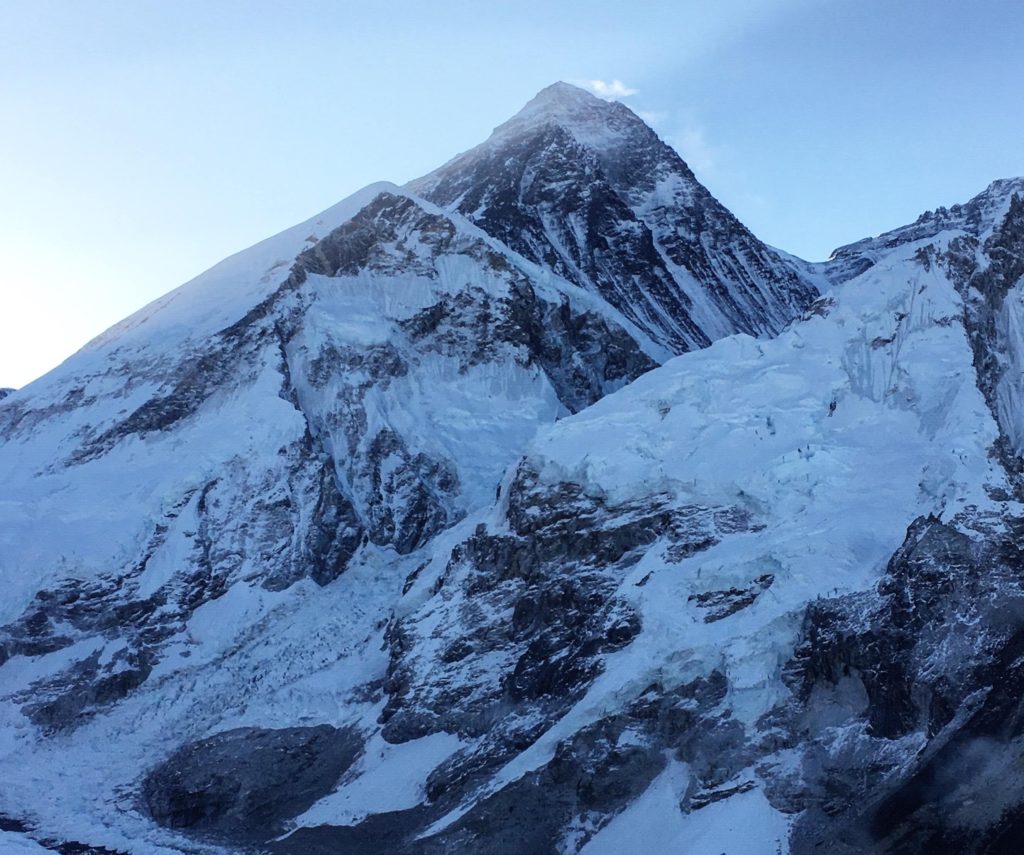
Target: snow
1010	388
388	778
479	417
12	843
596	124
100	515
96	514
744	824
737	283
250	656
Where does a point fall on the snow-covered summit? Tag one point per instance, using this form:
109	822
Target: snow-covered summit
593	121
560	100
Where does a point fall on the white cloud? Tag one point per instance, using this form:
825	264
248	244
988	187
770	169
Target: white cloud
606	89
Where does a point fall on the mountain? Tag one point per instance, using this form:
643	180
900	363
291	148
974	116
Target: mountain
534	507
586	189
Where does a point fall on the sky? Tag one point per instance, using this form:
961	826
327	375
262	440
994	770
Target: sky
144	140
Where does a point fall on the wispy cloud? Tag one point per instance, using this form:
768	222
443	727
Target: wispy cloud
714	162
692	143
609	89
651	117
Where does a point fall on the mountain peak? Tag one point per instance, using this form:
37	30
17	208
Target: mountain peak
1003	188
575	109
561	95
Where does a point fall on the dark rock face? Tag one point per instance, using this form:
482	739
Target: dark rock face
540	600
722	604
406	494
32	840
909	696
407	504
381	238
591	775
553	578
293	521
233	356
911	702
582	354
242	785
85	688
572	221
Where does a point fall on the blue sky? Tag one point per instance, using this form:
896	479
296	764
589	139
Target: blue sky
143	141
